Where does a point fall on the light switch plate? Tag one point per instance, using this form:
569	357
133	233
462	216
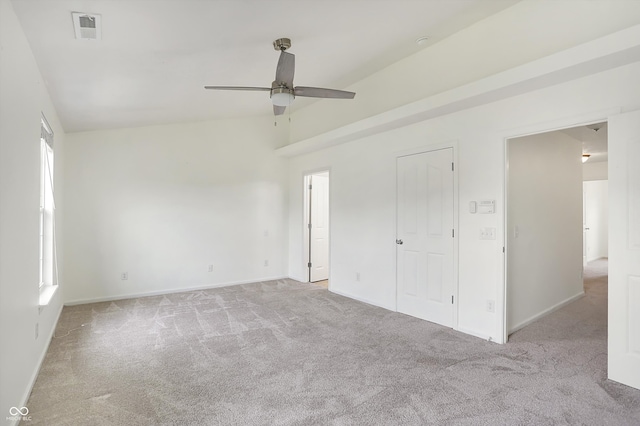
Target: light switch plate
487	233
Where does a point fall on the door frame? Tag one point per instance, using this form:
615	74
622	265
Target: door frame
544	127
453	144
305	217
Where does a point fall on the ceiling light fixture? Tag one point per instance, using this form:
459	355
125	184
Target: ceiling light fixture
585	157
282	98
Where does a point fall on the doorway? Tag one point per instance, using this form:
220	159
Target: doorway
556	221
623	296
316	227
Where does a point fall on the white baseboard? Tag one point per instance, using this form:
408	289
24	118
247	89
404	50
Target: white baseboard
36	372
545	312
361	299
300	279
476	334
167	291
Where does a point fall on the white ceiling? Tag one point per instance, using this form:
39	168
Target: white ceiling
155	56
594	140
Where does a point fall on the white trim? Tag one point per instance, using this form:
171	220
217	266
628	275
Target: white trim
545	127
362	299
605	53
169	291
476	334
301	280
546	312
305	218
46	294
451	143
36	372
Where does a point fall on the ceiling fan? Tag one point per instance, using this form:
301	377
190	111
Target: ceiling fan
282	91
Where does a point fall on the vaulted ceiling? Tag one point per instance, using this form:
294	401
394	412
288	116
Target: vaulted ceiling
155	56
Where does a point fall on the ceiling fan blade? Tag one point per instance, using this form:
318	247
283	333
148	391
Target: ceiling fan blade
260	89
286	68
319	92
278	110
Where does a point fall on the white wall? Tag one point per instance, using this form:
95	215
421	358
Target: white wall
23	97
544	224
596	195
595	171
363	189
162	203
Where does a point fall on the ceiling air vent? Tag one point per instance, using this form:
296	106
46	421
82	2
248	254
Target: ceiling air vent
87	26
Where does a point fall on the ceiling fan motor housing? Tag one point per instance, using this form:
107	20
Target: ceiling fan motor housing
282	44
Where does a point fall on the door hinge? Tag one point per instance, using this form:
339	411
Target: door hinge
452	299
503	249
309	226
453	233
452	167
309	265
310	186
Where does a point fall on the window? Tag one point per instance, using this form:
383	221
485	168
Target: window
48	270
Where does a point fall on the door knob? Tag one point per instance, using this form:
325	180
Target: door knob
399	242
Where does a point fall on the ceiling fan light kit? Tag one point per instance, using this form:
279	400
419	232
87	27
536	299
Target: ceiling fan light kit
282	91
282	98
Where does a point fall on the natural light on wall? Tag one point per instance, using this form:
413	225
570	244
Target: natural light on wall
48	265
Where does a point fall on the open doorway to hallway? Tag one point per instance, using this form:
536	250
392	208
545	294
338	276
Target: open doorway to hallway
556	220
316	227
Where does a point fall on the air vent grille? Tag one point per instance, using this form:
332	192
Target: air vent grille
87	26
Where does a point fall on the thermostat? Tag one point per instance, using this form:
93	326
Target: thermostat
487	206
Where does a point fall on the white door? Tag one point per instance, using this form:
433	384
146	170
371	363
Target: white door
624	248
585	239
425	236
319	229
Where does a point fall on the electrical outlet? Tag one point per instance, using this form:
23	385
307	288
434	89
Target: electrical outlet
210	268
357	276
266	263
491	306
124	276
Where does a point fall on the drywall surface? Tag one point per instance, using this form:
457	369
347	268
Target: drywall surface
544	224
596	194
522	33
363	192
162	204
595	171
23	99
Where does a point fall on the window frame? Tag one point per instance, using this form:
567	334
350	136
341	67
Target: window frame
48	271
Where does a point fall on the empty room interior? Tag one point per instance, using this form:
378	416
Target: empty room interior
430	215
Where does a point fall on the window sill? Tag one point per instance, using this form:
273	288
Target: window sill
46	294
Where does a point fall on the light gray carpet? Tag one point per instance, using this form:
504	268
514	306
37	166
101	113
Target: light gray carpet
287	353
